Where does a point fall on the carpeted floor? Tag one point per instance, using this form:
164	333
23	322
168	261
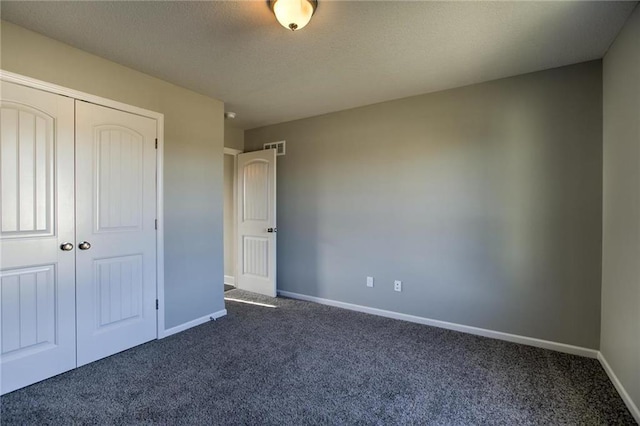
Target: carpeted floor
303	363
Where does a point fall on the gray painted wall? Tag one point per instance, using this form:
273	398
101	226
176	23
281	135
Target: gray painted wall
194	131
620	342
233	138
486	201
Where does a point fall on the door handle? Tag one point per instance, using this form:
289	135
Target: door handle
272	230
66	247
84	245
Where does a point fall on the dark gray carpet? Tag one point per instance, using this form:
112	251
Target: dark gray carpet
302	363
228	287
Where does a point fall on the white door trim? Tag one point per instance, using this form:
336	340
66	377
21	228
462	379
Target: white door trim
231	279
159	117
232	151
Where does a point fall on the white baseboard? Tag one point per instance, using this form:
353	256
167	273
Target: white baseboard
195	322
633	408
531	341
228	279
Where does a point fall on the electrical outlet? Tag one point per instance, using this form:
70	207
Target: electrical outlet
369	281
397	285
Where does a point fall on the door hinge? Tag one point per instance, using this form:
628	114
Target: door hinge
156	224
157	304
156	143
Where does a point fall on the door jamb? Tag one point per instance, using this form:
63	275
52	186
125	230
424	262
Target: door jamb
234	152
33	83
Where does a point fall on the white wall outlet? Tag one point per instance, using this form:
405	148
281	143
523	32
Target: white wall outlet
397	285
369	281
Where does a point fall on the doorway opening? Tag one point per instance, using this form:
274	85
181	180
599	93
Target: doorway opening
249	221
229	217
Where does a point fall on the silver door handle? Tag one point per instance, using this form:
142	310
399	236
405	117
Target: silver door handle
66	246
84	245
272	230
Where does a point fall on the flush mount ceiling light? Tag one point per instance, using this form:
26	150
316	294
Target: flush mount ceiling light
293	14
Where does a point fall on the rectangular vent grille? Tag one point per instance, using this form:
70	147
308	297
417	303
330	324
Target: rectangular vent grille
280	147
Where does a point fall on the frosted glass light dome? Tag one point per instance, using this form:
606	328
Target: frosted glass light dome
293	14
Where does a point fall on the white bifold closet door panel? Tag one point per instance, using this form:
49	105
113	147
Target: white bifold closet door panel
37	277
115	230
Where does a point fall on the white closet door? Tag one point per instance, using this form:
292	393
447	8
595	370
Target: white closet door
115	230
37	277
257	222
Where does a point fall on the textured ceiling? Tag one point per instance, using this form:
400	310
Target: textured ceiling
351	53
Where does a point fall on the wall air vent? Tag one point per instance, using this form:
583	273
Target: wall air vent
280	147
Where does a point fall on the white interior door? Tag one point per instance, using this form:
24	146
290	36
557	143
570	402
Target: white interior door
37	277
257	222
115	230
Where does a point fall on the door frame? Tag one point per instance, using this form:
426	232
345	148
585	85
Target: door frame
33	83
234	152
